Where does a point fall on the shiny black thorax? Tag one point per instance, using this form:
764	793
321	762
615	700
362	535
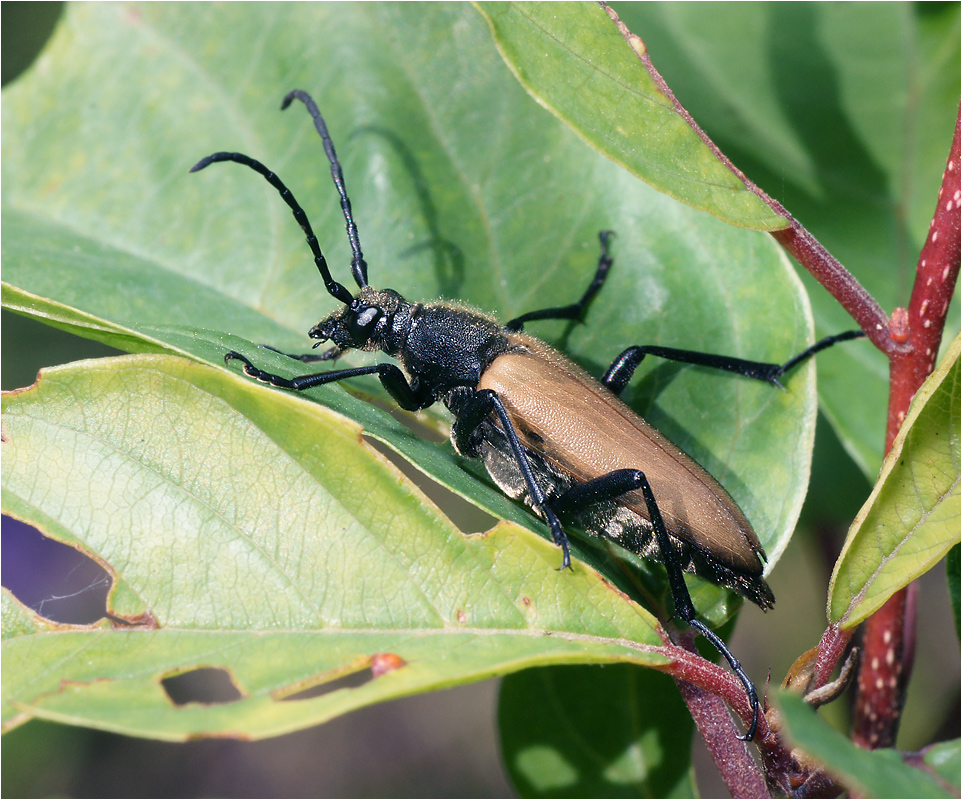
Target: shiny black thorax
449	347
442	347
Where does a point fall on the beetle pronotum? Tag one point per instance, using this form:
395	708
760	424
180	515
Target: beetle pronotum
548	432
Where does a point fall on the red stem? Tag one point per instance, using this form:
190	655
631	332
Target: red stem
830	651
935	279
888	641
706	688
730	755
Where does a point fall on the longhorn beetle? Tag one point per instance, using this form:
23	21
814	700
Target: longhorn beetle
547	432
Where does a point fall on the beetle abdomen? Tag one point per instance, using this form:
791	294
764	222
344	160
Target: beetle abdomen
579	431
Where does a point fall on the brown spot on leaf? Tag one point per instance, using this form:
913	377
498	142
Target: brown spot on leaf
382	663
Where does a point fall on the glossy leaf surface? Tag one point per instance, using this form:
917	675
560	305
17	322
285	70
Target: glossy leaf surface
619	107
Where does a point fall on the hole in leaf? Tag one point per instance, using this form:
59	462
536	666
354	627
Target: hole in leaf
412	423
466	516
207	685
352	681
57	581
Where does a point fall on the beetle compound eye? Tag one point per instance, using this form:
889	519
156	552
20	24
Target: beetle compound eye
367	318
364	323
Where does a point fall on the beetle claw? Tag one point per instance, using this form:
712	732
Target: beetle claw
233	354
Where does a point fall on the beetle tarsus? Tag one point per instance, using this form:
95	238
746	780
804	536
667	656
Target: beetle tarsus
820	345
259	374
565	555
739	671
558	536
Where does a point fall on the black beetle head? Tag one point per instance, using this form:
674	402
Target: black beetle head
377	319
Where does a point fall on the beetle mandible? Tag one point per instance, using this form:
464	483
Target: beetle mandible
547	432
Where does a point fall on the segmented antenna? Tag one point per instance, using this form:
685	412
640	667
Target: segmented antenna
358	264
333	287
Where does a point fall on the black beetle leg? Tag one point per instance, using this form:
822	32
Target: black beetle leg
474	411
624	366
610	487
685	609
575	310
331	354
390	376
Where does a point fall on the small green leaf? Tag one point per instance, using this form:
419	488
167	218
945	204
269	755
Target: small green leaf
619	107
867	773
911	520
945	759
263	549
613	731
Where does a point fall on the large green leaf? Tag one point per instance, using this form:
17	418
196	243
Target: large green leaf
844	113
619	107
461	186
233	544
911	520
590	731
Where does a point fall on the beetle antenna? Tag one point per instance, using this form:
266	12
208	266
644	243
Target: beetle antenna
358	264
336	290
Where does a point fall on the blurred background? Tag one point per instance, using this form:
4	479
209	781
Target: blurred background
442	744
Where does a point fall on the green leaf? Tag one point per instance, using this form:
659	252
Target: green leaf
911	519
612	731
844	113
867	773
619	108
233	544
945	759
